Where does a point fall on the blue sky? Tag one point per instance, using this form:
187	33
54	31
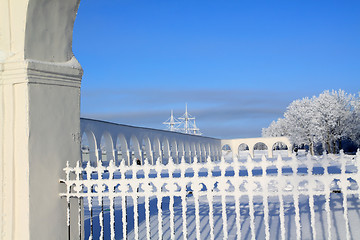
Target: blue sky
238	64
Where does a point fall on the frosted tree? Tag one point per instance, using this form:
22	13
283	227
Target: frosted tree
277	128
328	119
297	124
333	118
355	120
300	122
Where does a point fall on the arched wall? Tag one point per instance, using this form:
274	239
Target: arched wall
159	144
269	142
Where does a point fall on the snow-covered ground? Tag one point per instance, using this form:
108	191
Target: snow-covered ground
337	218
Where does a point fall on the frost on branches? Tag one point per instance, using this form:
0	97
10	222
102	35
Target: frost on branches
327	119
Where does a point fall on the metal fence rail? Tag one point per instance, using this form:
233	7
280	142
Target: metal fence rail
106	190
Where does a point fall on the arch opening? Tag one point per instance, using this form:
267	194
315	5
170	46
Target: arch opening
146	150
209	153
193	152
226	152
187	152
156	151
88	148
181	152
122	150
165	151
106	149
135	152
174	151
260	149
243	152
280	148
203	153
198	152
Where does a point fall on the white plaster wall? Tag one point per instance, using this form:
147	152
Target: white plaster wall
13	15
39	133
51	144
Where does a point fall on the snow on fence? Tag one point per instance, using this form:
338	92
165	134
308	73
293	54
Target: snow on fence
167	201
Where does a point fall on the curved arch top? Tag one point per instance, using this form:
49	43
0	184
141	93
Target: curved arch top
40	30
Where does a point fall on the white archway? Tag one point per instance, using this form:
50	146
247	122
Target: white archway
135	151
260	149
122	150
227	152
280	148
106	151
156	150
243	151
174	151
89	153
165	148
146	150
181	151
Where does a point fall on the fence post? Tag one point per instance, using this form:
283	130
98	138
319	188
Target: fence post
39	116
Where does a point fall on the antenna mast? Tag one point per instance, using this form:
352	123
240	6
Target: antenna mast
186	124
186	119
172	123
189	123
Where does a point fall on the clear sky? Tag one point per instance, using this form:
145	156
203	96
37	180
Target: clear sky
238	64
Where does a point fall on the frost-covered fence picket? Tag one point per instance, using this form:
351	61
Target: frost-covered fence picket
118	192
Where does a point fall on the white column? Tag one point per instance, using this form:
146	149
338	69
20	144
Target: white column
39	116
270	152
41	123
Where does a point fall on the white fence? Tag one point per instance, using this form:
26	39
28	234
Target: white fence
223	199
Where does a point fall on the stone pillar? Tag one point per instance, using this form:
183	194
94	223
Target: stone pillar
116	157
289	150
128	159
251	150
235	150
39	116
270	152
